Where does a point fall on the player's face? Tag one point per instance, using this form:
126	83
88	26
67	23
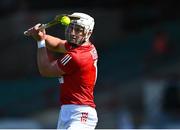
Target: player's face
75	34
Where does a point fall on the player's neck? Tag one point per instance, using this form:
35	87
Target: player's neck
86	43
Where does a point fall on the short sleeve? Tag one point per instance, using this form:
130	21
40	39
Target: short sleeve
67	63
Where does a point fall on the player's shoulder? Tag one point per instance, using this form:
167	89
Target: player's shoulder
68	59
79	56
73	56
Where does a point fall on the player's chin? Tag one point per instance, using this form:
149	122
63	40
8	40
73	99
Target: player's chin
73	41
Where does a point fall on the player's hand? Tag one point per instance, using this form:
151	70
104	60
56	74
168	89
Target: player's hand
36	33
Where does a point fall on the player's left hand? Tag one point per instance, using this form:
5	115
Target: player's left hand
36	33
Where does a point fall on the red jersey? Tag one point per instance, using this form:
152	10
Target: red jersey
80	66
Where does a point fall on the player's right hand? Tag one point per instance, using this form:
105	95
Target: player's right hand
36	33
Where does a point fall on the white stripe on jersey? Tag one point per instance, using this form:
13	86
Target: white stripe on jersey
66	59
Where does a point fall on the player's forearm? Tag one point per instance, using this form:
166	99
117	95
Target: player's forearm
42	61
55	44
47	67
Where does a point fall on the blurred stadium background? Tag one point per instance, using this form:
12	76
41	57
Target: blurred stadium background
139	58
